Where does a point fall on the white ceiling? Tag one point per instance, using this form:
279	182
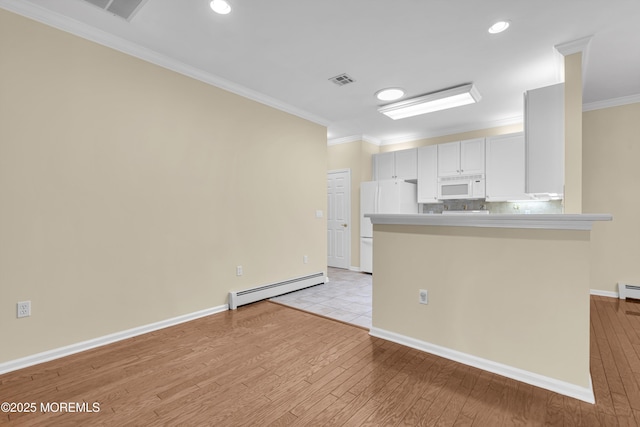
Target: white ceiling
282	53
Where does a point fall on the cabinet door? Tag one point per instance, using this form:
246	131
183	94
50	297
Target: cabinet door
383	166
472	156
406	163
428	174
544	131
449	159
505	168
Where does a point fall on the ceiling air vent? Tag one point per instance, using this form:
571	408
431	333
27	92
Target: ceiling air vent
122	8
342	79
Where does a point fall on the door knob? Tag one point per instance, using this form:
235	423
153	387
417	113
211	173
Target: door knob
344	225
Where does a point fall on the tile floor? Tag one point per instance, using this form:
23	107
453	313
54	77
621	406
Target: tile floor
346	297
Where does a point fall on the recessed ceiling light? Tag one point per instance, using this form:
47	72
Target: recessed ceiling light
220	6
499	27
390	94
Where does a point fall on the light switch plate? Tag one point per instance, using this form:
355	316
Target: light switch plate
423	296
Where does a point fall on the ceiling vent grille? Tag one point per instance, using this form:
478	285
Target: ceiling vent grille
122	8
342	79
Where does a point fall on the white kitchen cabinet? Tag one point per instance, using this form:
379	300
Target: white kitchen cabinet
402	164
428	174
407	163
461	158
544	140
449	159
384	166
472	156
505	168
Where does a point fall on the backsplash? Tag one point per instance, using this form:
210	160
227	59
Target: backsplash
533	207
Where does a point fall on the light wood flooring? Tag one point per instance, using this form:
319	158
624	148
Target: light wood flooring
266	364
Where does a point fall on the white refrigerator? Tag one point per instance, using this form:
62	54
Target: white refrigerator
386	196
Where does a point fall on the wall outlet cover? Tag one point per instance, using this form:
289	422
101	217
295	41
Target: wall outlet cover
24	309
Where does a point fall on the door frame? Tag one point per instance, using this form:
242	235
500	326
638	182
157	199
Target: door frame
348	214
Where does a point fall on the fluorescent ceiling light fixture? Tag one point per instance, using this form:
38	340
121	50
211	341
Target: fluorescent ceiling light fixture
443	100
499	27
220	6
390	94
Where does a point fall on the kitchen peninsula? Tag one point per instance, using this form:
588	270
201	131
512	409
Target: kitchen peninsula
505	293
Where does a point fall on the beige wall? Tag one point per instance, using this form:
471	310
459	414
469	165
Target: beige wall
573	134
355	156
130	193
611	150
487	297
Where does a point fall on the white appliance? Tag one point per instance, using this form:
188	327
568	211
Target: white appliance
461	187
385	196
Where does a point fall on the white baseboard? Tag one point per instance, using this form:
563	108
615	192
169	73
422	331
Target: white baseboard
356	269
14	365
610	294
582	393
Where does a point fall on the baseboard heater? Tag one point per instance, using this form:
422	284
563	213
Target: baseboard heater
628	291
247	296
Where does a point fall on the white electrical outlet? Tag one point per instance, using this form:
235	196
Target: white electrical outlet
239	270
24	309
423	296
305	259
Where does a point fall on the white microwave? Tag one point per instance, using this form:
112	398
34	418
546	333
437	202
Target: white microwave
461	187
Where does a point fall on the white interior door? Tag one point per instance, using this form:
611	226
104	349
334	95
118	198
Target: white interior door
339	218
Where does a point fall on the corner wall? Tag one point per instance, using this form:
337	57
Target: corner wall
515	297
130	192
611	151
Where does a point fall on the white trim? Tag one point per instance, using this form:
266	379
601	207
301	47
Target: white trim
582	393
609	294
608	103
424	135
537	221
455	130
344	140
127	47
356	269
57	353
574	46
372	140
354	138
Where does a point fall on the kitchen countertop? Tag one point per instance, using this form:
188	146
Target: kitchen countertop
539	221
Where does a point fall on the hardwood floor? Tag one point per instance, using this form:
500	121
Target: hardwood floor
266	364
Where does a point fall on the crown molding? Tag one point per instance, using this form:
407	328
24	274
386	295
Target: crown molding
574	46
80	29
354	138
454	130
608	103
344	140
372	140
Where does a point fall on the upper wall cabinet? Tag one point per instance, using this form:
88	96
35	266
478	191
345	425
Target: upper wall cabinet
544	139
461	158
401	164
428	174
505	163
